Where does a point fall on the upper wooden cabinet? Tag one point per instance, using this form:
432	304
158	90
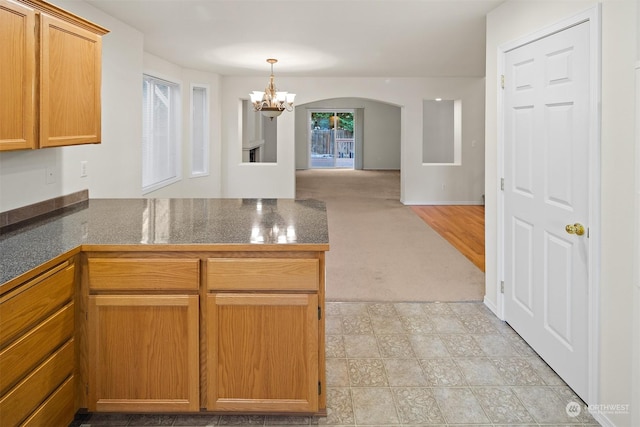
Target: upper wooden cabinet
50	77
17	76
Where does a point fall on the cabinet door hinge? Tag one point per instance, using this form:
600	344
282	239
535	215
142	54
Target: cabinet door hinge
502	81
319	387
502	287
502	184
319	313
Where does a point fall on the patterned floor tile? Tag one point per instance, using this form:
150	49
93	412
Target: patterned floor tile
495	345
107	419
476	324
339	408
442	372
387	325
196	420
404	373
462	345
409	308
479	371
382	310
447	324
337	373
354	309
516	371
417	406
502	406
428	346
241	420
333	325
545	405
459	405
374	406
361	346
416	324
334	346
367	373
151	420
356	325
332	308
436	308
567	395
287	421
395	346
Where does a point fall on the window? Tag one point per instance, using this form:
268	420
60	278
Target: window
160	133
199	130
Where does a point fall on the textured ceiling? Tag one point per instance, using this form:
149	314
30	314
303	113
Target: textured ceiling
329	38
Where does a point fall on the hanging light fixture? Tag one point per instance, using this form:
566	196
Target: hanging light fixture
272	103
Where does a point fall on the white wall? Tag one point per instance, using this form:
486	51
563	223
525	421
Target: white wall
421	184
113	165
513	20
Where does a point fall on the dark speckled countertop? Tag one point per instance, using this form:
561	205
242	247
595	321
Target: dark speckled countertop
147	224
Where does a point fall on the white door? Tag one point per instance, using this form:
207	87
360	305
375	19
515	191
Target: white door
546	147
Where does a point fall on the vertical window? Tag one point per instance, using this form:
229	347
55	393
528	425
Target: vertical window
199	130
160	133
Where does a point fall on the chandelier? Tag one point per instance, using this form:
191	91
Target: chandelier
271	102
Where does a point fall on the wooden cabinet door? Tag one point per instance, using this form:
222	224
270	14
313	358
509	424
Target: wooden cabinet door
144	353
262	352
70	76
17	76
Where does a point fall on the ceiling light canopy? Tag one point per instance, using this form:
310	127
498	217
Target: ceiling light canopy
271	102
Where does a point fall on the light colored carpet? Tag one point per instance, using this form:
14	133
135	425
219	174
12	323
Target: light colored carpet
379	249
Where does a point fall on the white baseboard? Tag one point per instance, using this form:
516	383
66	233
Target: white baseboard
441	203
490	305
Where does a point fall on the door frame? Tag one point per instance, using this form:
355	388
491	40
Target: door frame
593	16
310	111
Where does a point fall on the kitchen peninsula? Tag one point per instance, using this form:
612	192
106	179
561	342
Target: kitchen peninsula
164	305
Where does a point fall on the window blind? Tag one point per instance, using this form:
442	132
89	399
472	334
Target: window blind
199	130
160	133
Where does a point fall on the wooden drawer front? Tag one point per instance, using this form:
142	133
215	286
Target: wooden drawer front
263	274
26	305
143	274
24	398
24	354
57	410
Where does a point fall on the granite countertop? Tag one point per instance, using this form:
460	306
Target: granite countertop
200	224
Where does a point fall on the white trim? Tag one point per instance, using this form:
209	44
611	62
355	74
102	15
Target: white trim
593	16
207	125
178	133
635	385
335	111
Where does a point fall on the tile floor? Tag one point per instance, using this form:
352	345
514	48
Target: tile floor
418	364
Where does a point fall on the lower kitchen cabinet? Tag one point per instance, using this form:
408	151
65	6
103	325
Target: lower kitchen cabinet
262	352
37	350
143	353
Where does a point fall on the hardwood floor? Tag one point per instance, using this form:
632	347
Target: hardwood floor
462	226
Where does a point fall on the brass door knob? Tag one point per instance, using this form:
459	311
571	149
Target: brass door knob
576	229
